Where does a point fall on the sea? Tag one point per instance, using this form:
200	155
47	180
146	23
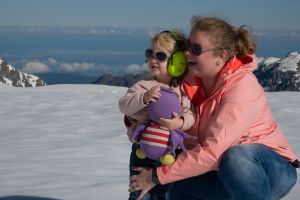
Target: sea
107	49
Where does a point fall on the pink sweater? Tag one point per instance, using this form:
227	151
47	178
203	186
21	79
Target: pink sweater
132	103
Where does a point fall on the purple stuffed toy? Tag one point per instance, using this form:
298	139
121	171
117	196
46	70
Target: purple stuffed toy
155	142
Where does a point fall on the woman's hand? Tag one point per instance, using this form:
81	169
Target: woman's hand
171	124
142	181
152	95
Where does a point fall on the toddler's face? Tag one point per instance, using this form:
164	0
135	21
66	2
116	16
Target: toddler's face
158	59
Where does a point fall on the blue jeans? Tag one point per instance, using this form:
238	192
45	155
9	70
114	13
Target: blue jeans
246	172
156	193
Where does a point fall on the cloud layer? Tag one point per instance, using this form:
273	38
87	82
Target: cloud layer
35	67
53	65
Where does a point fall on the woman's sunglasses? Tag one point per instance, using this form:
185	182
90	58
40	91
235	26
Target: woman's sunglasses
160	56
195	48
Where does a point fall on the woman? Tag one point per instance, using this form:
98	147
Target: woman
240	151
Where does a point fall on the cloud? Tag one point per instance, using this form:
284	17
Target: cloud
78	30
76	67
277	33
35	67
135	68
52	61
53	65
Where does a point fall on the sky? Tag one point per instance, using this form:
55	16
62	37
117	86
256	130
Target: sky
266	14
86	36
70	142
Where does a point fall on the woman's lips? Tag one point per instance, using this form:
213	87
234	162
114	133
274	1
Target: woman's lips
191	63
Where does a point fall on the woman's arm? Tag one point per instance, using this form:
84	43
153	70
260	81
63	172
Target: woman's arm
187	114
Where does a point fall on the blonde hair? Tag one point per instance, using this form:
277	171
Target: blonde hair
165	39
223	36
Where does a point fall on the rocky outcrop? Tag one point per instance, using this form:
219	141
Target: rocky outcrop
13	77
279	74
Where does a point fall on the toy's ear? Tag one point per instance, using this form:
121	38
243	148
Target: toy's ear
136	135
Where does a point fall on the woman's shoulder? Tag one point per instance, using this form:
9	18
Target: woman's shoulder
243	86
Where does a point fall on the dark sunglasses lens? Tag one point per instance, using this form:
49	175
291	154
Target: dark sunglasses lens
148	53
161	56
196	49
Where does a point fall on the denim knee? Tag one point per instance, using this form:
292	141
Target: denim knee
254	171
235	158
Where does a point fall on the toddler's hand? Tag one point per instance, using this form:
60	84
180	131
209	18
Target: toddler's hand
171	124
152	95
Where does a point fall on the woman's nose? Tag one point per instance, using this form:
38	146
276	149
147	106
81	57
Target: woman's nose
187	52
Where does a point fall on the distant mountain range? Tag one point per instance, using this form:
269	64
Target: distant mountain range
274	74
13	77
66	78
125	81
279	74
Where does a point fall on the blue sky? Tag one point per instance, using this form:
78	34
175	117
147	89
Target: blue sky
113	34
152	13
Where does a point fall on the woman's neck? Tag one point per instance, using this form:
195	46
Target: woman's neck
209	84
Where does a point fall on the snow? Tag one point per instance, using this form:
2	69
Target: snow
266	61
69	142
288	63
10	67
32	79
7	81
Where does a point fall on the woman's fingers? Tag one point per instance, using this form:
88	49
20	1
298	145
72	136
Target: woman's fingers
133	186
137	169
142	181
143	192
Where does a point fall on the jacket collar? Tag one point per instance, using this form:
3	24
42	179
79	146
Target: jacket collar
193	85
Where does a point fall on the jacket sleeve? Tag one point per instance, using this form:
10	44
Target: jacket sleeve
239	107
133	102
187	113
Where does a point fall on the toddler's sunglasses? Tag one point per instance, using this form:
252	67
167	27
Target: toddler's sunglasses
160	56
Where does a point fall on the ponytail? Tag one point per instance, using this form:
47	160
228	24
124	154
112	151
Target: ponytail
244	44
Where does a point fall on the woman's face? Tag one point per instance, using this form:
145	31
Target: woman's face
205	64
158	68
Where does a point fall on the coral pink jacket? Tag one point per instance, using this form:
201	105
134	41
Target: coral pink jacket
236	112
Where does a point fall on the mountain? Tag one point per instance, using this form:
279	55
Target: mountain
279	74
274	74
13	77
65	78
126	81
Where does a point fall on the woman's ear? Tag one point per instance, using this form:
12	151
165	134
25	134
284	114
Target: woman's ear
224	55
222	58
